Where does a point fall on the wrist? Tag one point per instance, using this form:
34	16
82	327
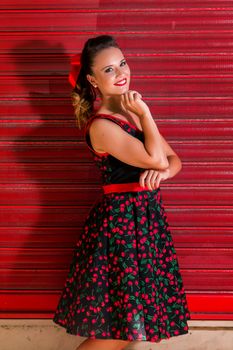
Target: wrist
145	114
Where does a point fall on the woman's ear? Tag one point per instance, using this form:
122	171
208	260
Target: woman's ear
91	80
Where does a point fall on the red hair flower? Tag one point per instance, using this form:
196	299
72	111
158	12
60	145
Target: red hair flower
75	69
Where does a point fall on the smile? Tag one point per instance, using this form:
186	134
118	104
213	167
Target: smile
121	82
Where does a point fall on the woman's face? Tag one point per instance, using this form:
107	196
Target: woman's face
111	72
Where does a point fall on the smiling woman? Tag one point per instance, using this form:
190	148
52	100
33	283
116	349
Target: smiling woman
124	282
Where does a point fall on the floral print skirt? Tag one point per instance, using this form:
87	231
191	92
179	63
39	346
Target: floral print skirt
124	280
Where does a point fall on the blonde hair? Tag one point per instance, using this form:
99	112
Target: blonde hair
83	107
84	94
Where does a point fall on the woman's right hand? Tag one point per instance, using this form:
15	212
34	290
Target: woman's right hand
132	101
152	178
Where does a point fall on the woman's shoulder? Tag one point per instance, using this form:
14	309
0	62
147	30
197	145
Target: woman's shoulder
129	118
103	121
102	114
99	119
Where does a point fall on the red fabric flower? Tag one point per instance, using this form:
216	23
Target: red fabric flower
75	69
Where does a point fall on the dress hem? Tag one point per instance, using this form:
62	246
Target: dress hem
181	332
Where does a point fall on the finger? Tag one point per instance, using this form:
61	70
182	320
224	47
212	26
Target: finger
157	182
131	96
153	179
136	93
142	178
148	179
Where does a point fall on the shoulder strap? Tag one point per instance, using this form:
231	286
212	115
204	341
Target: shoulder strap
107	116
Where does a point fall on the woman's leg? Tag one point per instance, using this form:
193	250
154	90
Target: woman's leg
103	344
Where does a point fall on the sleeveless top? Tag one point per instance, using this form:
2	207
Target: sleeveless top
114	171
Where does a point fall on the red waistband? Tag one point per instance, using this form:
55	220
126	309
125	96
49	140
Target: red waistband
125	187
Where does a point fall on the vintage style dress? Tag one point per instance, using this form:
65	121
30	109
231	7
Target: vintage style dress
124	280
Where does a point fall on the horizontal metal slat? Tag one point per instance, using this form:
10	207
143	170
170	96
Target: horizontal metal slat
106	4
20	152
114	4
40	237
47	108
207	280
200	215
35	258
203	151
197	195
102	20
72	41
19	279
47	195
199	237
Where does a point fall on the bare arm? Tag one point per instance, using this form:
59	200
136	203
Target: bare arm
175	164
152	178
110	138
106	136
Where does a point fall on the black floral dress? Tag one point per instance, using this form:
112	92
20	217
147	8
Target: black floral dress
124	280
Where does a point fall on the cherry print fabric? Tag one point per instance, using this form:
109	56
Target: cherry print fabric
124	280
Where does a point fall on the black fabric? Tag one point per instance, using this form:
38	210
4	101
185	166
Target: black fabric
112	169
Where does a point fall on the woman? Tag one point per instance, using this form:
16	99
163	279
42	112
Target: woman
124	282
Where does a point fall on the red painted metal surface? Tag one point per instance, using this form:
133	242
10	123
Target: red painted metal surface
152	20
184	69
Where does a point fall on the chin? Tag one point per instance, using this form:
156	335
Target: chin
123	90
119	91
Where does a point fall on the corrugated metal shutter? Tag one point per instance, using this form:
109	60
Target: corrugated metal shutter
181	55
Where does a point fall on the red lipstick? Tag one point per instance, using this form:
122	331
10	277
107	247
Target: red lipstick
121	82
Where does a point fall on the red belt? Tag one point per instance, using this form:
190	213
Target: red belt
130	186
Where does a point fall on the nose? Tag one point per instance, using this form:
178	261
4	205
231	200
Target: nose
119	71
120	76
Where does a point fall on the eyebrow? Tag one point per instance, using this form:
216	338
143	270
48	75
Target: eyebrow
111	64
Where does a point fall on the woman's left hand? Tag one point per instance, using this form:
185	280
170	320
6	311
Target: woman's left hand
152	178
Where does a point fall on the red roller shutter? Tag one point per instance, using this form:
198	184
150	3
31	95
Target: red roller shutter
181	56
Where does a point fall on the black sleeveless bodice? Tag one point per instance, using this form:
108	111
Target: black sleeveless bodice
112	169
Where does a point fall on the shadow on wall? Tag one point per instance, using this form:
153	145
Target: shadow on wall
47	155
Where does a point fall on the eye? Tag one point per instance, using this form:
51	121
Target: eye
108	70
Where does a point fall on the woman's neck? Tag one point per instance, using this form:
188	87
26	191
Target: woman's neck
113	105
